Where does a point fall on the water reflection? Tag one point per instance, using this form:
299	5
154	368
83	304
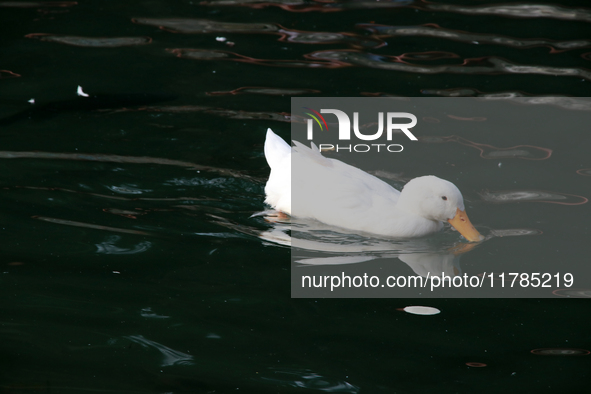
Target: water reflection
307	379
109	247
115	211
433	255
351	57
309	37
226	113
516	11
34	4
265	91
148	313
436	31
199	26
169	356
204	26
573	293
526	152
428	55
8	74
124	213
560	352
89	225
94	102
483	65
571	103
514	232
476	365
303	6
473	119
94	42
207	54
120	159
532	196
127	189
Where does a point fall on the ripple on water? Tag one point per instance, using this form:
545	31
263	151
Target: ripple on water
89	225
124	213
313	37
526	152
481	65
120	159
428	55
473	119
307	379
303	6
199	26
573	293
436	31
109	246
517	11
204	26
514	232
571	103
265	91
8	74
128	189
560	352
210	54
94	42
148	313
34	4
169	356
476	365
532	196
222	112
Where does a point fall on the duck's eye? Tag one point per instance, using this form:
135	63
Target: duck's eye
444	198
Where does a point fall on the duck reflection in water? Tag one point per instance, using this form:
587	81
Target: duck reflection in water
316	244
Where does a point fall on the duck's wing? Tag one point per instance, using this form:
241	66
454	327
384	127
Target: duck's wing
336	193
311	154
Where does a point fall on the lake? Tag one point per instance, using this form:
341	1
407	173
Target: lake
132	165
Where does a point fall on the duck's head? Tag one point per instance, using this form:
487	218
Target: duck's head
437	199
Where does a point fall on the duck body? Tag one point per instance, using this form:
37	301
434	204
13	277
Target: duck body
341	195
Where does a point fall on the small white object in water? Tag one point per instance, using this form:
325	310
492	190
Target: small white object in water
80	92
500	164
421	310
32	101
221	39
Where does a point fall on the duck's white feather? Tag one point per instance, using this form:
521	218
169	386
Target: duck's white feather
278	188
276	150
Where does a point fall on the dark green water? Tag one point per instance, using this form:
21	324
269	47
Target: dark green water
124	267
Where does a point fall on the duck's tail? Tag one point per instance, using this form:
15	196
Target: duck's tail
275	149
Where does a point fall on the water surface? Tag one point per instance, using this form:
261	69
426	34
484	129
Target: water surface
127	262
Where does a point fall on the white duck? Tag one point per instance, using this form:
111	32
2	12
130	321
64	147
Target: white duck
338	194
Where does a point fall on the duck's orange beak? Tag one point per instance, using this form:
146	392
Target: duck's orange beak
463	225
